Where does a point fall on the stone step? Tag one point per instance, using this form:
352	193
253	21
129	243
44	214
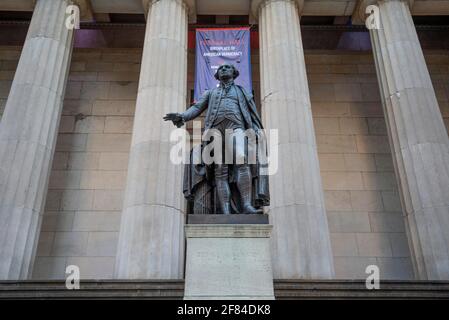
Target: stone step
174	289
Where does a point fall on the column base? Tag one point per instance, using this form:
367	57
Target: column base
228	262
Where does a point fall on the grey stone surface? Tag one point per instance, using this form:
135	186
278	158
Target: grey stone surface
151	241
297	206
228	262
28	135
420	144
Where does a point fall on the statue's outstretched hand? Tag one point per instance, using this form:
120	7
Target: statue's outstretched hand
176	118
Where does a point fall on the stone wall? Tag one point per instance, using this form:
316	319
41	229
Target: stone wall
82	215
84	202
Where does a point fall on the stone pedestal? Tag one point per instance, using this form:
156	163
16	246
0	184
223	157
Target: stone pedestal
228	261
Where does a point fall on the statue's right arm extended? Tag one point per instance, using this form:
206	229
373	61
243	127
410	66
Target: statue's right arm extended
194	111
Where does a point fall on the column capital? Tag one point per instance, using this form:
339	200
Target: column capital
256	4
86	12
359	15
191	7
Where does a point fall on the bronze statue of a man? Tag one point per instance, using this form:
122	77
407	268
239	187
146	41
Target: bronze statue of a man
231	109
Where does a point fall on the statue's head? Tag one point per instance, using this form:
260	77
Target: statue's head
226	71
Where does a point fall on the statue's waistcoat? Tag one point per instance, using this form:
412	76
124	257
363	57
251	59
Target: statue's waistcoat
215	107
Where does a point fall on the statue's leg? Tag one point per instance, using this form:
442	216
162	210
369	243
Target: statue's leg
223	190
243	174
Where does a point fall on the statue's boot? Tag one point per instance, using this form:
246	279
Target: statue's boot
243	181
222	188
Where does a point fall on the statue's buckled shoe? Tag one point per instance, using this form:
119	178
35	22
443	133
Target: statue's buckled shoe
248	209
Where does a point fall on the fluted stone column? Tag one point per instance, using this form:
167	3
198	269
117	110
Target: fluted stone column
28	132
418	137
300	240
151	241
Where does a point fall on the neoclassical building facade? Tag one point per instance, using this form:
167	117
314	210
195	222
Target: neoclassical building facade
362	116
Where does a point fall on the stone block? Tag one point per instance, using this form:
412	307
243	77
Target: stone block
353	126
348	222
399	244
118	76
359	162
6	75
67	124
366	109
366	201
70	244
336	144
342	181
352	267
90	124
110	142
370	92
73	90
344	244
337	200
387	222
99	66
384	162
118	125
53	200
331	162
366	68
84	160
126	66
76	107
94	90
77	66
5	87
49	268
377	126
326	125
107	180
57	221
374	244
123	90
322	92
108	200
395	269
228	262
83	76
96	221
348	92
71	142
373	144
391	201
114	107
330	109
63	179
379	180
102	244
114	161
45	244
93	267
60	161
318	69
77	200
